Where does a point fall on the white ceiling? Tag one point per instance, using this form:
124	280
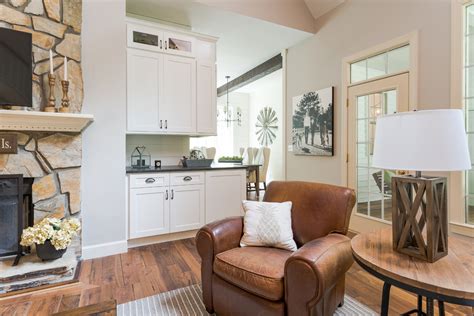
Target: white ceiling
244	42
320	7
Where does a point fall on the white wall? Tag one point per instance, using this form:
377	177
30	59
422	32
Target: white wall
267	92
103	169
353	27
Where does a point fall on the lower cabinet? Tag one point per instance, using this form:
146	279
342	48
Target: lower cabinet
186	207
149	211
165	203
225	190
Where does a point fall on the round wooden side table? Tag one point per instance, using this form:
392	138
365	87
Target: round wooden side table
450	279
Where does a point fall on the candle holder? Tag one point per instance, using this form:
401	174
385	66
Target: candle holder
65	100
51	107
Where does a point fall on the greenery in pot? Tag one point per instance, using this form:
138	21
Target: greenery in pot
231	158
51	236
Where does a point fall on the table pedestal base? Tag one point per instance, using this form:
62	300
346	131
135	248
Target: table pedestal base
418	311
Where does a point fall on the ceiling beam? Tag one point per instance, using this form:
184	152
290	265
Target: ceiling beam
266	68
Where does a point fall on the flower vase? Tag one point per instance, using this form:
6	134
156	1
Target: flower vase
47	251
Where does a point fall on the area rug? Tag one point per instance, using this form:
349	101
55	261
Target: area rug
187	301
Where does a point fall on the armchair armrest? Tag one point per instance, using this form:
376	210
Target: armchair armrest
315	269
212	239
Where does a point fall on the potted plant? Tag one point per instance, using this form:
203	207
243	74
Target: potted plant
51	237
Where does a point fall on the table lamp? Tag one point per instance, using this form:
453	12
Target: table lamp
432	140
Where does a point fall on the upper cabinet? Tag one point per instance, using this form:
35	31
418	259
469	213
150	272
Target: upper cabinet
171	81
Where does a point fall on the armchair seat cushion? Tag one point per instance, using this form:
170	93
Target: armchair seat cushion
257	270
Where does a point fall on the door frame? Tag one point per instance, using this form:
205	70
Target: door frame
398	82
411	39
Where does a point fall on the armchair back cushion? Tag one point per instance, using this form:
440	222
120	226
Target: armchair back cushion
318	209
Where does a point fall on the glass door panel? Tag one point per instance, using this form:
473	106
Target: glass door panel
367	102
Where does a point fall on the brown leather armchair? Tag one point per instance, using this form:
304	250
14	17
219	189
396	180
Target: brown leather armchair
269	281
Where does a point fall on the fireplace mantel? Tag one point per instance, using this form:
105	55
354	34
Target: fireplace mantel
13	120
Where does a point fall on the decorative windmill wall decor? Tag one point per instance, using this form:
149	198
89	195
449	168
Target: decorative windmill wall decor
266	126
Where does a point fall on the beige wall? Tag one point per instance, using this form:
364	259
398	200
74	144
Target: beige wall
353	27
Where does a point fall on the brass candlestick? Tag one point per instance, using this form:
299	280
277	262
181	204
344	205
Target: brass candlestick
52	100
65	100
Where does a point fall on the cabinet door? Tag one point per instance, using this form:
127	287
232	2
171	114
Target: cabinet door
178	100
179	44
144	37
149	212
144	71
225	191
186	207
206	98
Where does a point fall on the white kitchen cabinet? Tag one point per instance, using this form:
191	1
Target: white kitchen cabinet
178	100
149	211
206	98
225	190
186	207
171	80
144	78
179	44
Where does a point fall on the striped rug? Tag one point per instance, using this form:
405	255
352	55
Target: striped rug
187	301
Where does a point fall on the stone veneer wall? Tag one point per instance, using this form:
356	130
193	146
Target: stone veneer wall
53	159
55	25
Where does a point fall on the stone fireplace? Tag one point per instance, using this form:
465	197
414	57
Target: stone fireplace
52	161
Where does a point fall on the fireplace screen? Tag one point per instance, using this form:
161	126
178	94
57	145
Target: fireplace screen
11	209
16	212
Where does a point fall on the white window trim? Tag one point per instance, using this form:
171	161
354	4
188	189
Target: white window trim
456	188
407	39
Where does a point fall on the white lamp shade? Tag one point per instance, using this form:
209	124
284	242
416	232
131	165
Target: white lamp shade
433	140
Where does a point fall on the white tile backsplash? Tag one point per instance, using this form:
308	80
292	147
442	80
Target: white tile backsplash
167	148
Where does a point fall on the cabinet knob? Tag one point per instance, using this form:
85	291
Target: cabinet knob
172	194
166	124
166	44
161	123
150	180
161	44
166	195
187	178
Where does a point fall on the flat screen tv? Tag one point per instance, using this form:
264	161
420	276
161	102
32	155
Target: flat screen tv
15	68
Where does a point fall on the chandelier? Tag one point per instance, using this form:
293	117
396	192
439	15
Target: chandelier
227	115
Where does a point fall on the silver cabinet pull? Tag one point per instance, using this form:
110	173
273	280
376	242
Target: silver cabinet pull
166	195
161	44
187	178
172	194
150	180
166	44
166	124
161	123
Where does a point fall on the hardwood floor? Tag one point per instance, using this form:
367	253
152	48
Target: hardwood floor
163	267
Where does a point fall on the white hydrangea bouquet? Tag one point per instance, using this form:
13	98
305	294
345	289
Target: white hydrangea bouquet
51	230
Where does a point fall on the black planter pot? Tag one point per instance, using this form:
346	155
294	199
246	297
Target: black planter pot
47	251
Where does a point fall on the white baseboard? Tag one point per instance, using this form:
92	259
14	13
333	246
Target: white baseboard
103	250
132	243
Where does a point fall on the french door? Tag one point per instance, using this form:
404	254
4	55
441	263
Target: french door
366	102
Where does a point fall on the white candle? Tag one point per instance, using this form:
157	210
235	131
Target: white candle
50	61
65	68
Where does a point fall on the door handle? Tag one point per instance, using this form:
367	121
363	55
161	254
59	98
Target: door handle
166	124
187	178
161	123
166	195
172	194
150	180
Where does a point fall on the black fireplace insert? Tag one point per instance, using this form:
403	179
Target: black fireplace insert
16	213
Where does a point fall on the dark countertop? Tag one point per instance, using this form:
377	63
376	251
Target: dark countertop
221	166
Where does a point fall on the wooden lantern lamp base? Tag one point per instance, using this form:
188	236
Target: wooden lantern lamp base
419	216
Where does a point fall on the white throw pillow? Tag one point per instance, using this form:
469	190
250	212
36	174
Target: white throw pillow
268	224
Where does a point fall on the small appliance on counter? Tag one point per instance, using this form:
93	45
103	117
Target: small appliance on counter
196	160
140	159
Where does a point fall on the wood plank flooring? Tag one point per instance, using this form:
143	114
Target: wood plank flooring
163	267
